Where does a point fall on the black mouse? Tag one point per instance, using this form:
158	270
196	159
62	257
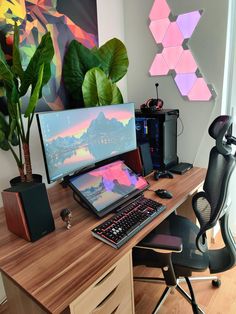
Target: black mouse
163	193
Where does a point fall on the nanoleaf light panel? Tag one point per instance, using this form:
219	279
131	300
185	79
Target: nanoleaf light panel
174	57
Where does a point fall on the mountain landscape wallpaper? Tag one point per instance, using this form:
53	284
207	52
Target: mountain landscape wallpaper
75	139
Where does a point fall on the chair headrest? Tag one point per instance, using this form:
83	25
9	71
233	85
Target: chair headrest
218	129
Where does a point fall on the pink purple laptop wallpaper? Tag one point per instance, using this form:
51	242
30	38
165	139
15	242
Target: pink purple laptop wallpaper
74	139
108	184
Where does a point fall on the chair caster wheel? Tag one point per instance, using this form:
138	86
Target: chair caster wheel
216	283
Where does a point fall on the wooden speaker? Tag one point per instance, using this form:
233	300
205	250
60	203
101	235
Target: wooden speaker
133	160
27	210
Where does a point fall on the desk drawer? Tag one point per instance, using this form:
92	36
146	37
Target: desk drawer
117	300
109	293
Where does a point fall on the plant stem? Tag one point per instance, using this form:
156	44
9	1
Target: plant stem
20	124
20	165
28	168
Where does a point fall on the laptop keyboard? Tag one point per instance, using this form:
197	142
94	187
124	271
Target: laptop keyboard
118	229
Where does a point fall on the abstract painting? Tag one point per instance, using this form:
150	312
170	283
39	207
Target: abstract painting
65	20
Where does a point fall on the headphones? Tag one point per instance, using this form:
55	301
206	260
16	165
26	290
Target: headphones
152	104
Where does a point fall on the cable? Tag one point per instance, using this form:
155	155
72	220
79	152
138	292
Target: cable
151	190
182	125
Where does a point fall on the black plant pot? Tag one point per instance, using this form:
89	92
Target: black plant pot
17	180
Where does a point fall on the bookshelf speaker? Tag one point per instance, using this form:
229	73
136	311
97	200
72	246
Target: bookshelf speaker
27	210
145	154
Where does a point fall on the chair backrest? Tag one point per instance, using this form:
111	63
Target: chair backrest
212	204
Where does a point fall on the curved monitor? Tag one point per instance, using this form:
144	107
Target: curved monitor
73	140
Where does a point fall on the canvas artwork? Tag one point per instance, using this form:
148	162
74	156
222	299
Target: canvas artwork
66	20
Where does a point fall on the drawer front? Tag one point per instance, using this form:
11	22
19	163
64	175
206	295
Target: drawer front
105	288
116	299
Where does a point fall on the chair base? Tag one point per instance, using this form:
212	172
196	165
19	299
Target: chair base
167	290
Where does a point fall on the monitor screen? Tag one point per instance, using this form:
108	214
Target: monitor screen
105	188
73	140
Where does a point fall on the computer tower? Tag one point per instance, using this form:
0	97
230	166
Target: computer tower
159	129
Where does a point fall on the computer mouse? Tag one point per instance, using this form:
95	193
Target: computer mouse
163	193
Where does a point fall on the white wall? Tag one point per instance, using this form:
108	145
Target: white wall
208	47
110	24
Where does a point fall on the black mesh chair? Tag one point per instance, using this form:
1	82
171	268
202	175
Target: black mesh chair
177	245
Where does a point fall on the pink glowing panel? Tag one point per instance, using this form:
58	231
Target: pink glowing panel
187	23
200	91
172	55
159	66
173	36
158	29
160	10
186	63
185	82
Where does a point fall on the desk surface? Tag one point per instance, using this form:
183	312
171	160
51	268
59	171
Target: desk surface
59	267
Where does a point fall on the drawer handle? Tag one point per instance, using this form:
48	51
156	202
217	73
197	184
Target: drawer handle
109	296
113	312
105	277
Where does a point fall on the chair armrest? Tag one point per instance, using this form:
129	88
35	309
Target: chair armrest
163	243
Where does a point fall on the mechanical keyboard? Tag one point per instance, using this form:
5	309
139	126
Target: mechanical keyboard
122	226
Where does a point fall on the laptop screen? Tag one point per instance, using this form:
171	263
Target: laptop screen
105	188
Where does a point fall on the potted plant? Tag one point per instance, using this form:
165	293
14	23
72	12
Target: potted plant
90	75
16	82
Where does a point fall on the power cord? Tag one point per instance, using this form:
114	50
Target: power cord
182	127
151	190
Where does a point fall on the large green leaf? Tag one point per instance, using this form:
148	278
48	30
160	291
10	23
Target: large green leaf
114	59
6	75
4	127
116	95
2	91
77	61
35	95
12	137
3	142
2	55
97	88
43	54
12	99
4	132
2	136
16	64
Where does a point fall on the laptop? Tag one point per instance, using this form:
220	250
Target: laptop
108	187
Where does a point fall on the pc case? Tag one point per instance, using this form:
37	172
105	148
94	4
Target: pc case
159	128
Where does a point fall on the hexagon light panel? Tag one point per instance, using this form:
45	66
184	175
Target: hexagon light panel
174	57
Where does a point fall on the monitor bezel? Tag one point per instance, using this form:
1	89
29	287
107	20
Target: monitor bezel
112	207
89	165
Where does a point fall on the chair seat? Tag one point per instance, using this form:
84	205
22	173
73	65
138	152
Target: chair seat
190	258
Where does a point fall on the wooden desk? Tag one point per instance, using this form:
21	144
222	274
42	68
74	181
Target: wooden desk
50	275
